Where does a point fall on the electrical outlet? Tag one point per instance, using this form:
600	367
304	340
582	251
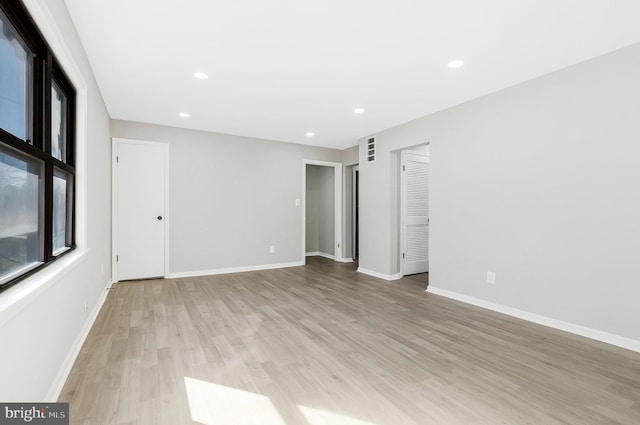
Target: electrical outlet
297	202
272	249
491	278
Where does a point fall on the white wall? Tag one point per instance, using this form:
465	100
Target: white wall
39	330
230	197
538	183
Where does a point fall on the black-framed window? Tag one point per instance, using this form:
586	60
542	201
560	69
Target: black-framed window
37	150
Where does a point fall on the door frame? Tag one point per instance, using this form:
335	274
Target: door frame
355	219
403	206
115	142
337	193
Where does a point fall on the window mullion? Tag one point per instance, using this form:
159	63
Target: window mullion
48	211
71	132
48	168
38	79
46	93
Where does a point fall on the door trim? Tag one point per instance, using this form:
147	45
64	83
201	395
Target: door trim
355	189
337	193
115	141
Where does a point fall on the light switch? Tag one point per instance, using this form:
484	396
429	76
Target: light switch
491	278
297	202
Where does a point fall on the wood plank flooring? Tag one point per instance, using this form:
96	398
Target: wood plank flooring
325	345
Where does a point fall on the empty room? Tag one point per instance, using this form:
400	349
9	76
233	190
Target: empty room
319	213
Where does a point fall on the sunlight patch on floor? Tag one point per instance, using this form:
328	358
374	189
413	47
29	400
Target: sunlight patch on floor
322	417
213	404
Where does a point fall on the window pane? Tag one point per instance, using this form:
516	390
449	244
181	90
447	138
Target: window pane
20	229
62	197
15	71
58	123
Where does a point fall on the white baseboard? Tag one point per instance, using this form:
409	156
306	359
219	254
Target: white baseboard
63	373
345	260
617	340
320	254
234	270
380	275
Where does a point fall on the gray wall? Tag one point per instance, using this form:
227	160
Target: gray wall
230	197
320	210
40	331
538	183
349	160
350	155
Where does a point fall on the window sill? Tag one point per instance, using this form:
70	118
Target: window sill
17	297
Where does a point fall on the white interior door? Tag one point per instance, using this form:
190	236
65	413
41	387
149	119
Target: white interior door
141	215
415	213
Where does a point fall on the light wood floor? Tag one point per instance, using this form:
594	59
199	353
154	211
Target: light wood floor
324	345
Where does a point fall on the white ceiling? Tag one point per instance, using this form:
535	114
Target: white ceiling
281	68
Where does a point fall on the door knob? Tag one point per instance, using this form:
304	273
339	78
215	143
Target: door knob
159	217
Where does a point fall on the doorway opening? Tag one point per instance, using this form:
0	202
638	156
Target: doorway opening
350	230
322	210
355	219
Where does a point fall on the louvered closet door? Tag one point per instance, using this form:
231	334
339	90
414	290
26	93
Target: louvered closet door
415	213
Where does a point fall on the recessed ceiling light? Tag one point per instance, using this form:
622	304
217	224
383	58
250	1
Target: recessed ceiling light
184	115
200	75
455	64
311	134
358	110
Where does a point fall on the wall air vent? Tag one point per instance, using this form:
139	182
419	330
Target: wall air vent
371	149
